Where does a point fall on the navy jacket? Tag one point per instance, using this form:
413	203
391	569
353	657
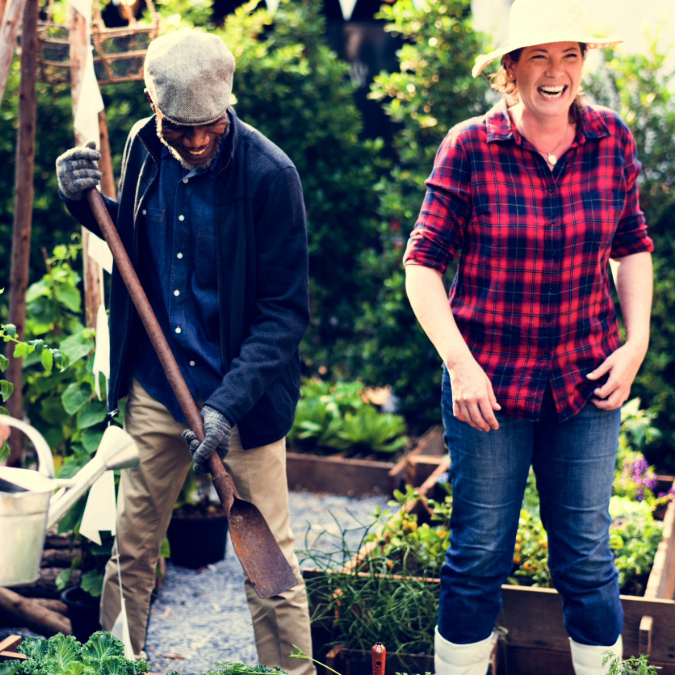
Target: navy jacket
262	262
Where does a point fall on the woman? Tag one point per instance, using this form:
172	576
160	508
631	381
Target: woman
534	198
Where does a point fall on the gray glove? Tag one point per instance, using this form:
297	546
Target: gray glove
218	431
77	170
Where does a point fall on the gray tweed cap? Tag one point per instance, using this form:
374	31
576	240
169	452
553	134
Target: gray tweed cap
188	75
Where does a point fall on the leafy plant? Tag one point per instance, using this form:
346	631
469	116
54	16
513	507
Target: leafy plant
337	417
61	654
636	665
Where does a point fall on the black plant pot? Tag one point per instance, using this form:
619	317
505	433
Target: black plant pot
83	612
197	541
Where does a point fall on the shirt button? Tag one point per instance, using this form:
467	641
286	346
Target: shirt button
548	355
176	293
144	211
181	217
549	319
185	180
554	220
551	188
177	329
192	363
179	256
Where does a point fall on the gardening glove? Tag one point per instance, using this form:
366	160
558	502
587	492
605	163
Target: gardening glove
77	171
217	434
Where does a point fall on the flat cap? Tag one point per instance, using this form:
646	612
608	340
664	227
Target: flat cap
188	75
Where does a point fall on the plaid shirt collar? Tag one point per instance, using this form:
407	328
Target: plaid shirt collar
500	127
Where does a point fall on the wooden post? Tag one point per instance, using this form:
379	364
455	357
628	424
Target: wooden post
23	213
79	47
10	27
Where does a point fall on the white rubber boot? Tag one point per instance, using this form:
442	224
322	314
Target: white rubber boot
587	659
452	659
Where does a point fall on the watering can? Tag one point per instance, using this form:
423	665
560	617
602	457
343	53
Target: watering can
29	505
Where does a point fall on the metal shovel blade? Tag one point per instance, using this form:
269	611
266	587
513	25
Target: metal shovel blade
253	541
268	570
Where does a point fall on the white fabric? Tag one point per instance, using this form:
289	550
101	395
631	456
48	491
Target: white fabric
272	5
347	7
100	252
90	103
120	630
471	659
100	511
102	354
537	22
587	659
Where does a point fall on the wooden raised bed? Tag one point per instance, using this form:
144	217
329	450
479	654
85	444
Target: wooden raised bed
536	640
342	476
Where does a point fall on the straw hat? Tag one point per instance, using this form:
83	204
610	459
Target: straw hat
537	22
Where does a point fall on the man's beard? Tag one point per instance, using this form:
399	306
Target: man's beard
176	155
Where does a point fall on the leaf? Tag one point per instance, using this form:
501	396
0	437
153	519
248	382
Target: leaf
38	289
92	583
4	362
101	645
113	665
21	350
74	669
10	329
62	651
10	667
92	413
63	578
77	346
34	648
73	518
47	360
75	397
6	389
69	296
91	439
165	549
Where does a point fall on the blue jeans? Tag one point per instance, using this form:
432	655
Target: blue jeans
574	466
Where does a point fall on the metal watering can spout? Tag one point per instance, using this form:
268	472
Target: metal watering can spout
28	507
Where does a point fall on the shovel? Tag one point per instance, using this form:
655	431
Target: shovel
254	543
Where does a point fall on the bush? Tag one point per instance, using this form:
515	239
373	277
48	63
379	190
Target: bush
637	86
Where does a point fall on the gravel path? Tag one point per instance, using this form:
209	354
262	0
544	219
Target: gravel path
201	618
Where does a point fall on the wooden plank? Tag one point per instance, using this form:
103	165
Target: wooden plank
661	583
645	640
23	212
427	487
337	475
534	620
342	476
10	643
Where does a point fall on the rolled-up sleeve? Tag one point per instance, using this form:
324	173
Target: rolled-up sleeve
631	235
439	231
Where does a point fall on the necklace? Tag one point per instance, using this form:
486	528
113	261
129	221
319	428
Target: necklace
551	157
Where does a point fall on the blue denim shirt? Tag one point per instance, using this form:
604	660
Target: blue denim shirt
178	266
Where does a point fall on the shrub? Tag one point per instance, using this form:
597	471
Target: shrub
637	86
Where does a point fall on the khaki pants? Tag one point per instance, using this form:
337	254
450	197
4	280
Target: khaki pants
150	491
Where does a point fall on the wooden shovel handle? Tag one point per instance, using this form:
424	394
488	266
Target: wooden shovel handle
221	479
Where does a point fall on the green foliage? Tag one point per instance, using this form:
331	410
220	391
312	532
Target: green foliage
295	90
638	87
238	668
336	417
635	665
432	91
103	654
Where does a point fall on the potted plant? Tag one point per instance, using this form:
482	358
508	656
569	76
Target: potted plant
197	533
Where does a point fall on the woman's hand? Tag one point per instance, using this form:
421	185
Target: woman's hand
622	366
4	432
473	399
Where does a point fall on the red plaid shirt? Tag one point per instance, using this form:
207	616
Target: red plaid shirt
532	295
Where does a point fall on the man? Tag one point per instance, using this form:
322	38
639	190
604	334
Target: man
212	216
